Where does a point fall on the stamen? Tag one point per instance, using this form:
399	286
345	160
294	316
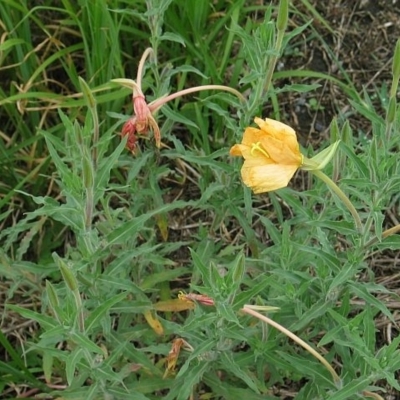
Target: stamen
258	147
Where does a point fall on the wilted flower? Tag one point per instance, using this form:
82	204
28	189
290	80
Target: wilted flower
200	298
143	119
141	122
271	154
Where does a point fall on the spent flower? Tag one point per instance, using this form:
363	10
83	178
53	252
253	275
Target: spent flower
143	119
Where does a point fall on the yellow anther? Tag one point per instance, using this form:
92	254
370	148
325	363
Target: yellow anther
258	147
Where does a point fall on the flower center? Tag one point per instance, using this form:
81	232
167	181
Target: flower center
258	147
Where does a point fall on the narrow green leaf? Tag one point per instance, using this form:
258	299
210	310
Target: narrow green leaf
310	368
20	369
396	67
47	365
164	276
183	387
103	173
232	366
7	44
226	311
100	311
87	93
177	117
45	321
173	37
203	269
70	364
127	229
83	341
316	311
238	269
353	388
361	292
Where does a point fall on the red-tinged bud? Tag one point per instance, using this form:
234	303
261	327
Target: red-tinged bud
131	143
142	113
129	129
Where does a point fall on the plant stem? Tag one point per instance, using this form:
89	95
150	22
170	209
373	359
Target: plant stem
281	24
156	104
274	60
149	51
385	234
248	310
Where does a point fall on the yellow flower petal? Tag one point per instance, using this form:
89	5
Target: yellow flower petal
271	154
236	150
154	322
275	127
252	135
281	152
175	305
266	178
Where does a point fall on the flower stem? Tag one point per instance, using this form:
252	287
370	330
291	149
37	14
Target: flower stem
335	188
385	234
156	104
372	395
149	51
248	310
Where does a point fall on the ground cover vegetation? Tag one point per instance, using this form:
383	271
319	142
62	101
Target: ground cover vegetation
163	236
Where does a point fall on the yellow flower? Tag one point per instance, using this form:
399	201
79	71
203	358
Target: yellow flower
271	155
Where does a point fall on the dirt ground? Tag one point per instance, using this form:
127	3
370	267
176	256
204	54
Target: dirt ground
359	38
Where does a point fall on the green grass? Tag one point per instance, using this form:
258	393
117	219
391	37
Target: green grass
96	243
